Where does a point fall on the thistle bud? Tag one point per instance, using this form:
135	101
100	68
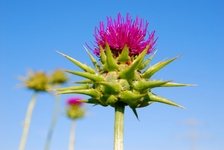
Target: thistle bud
37	81
75	110
58	77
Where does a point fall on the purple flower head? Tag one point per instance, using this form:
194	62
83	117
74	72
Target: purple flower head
74	101
120	32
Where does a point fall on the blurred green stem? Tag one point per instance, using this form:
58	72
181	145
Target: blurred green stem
53	122
27	121
119	126
72	136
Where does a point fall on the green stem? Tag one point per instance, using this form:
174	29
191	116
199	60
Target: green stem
119	126
27	121
53	123
72	136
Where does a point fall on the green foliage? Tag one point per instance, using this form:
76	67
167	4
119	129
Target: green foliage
119	79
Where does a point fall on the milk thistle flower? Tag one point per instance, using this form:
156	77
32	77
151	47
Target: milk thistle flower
122	77
38	82
124	32
74	111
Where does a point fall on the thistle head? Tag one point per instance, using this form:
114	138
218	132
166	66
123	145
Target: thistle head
123	75
75	110
37	81
122	32
58	77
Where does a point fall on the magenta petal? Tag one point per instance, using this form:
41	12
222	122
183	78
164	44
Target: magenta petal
74	101
124	31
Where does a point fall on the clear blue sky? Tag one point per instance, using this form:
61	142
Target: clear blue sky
31	31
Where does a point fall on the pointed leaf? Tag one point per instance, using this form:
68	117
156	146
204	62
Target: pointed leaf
146	62
93	77
155	98
130	98
129	72
79	64
103	56
110	64
172	84
153	69
145	102
87	81
86	86
124	56
96	65
91	92
135	112
143	85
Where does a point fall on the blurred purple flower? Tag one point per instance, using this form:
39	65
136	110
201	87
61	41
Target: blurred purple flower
120	32
74	101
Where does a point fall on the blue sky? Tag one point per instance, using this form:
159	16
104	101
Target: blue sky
31	31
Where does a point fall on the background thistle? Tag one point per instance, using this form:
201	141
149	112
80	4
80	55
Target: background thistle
38	82
58	77
74	111
41	82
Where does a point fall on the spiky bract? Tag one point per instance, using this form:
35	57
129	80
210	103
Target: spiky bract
117	80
